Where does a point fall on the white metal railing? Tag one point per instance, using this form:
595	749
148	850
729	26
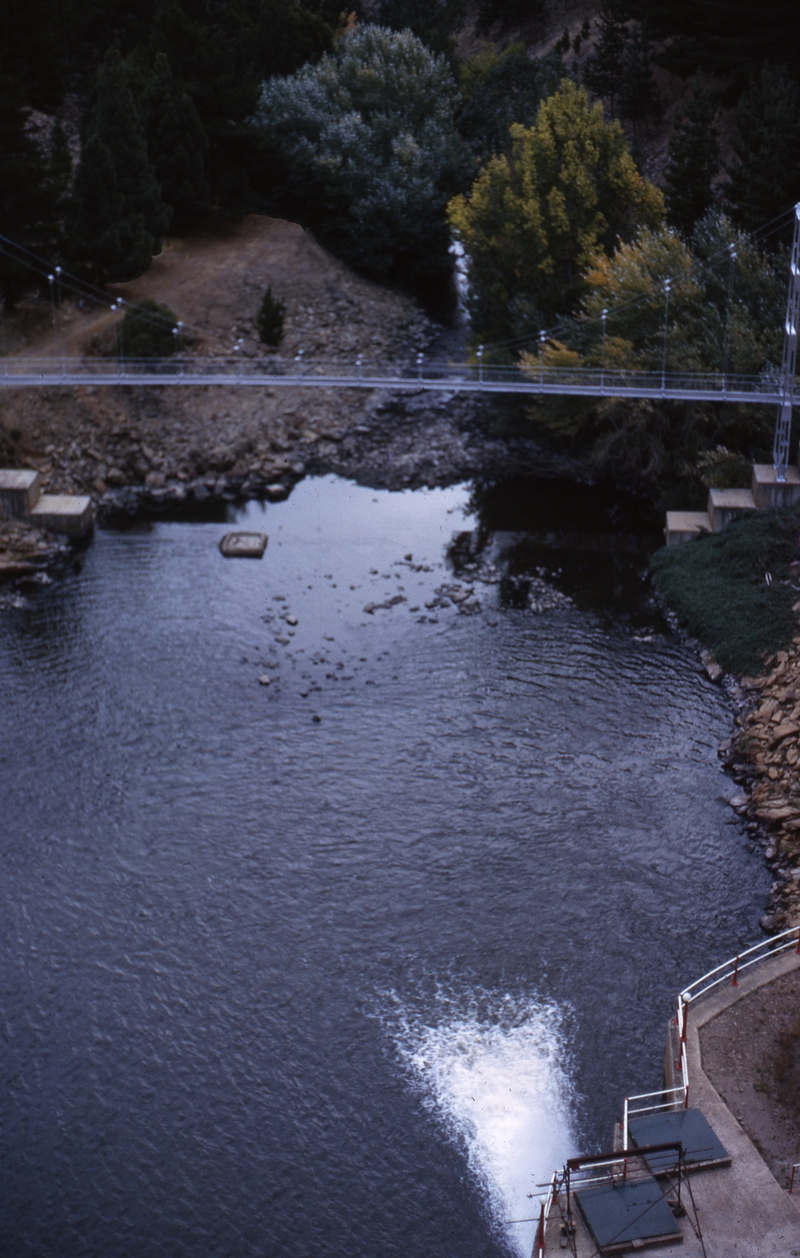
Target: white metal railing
679	1100
677	1097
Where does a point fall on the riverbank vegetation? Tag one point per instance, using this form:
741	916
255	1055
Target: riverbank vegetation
735	591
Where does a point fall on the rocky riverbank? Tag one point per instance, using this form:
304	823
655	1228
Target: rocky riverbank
764	758
28	556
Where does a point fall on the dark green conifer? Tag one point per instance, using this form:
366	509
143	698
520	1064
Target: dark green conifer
269	320
117	197
693	158
639	99
95	238
177	145
603	69
764	178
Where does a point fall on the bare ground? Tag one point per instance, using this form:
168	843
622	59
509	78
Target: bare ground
739	1049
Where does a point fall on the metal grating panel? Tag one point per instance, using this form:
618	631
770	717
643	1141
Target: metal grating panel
626	1215
700	1145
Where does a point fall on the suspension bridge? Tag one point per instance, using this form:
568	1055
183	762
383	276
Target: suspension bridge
777	387
448	377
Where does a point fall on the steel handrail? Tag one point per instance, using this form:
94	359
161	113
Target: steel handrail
733	966
726	971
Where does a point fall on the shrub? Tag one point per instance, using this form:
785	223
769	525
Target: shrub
147	331
717	585
269	320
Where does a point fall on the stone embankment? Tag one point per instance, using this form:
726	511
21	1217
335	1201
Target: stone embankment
764	757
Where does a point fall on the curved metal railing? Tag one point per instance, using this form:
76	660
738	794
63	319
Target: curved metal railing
727	972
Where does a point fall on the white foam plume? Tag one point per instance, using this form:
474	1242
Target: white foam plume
500	1082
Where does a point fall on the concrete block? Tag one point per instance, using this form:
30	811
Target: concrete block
682	526
769	492
243	545
20	489
725	505
63	513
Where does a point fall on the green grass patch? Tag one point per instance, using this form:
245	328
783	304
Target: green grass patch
734	590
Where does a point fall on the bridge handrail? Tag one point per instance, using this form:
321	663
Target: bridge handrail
23	371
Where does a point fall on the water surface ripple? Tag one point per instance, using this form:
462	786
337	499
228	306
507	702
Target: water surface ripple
257	969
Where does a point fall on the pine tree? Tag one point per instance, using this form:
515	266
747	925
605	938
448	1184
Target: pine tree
639	99
764	178
693	158
177	145
96	237
603	70
32	185
119	213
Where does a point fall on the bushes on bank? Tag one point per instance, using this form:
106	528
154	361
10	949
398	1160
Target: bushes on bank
734	590
269	319
147	331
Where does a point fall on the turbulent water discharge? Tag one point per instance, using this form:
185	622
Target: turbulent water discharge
341	964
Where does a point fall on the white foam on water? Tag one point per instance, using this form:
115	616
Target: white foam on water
498	1077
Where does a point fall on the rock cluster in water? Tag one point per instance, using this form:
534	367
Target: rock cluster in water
765	758
26	555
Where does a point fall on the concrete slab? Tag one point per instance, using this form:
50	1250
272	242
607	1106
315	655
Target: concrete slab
63	513
683	526
243	545
20	489
769	492
725	505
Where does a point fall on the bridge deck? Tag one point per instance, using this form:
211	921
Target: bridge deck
439	377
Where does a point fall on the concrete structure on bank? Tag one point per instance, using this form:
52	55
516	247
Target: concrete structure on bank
21	497
741	1209
725	505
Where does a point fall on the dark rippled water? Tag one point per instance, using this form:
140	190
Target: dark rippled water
273	986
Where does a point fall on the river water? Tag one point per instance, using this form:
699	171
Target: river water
277	985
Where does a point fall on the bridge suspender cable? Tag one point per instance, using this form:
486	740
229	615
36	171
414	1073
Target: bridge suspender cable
783	423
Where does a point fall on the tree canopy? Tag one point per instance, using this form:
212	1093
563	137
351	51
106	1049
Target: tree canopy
370	149
644	440
764	177
534	220
499	88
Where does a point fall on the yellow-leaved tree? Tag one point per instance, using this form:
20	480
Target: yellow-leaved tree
535	218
